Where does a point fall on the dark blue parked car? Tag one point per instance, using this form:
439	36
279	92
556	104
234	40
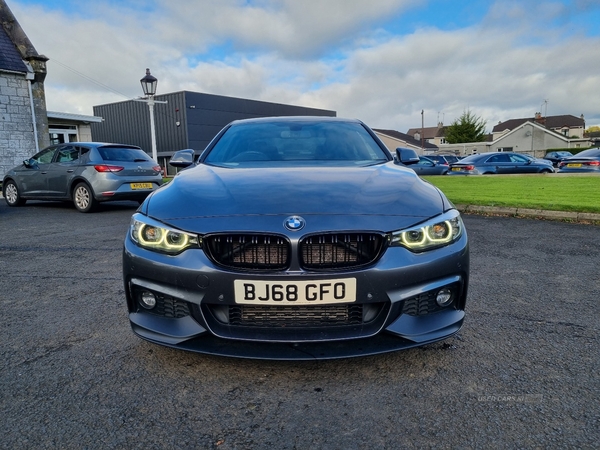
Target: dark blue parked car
557	157
585	161
499	163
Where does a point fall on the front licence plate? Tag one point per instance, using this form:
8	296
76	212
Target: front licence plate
573	165
140	185
253	292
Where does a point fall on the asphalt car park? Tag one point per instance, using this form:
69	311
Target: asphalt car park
523	372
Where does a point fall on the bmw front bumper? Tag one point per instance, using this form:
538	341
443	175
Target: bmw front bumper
396	298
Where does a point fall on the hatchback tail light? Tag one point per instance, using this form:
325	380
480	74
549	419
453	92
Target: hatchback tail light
157	169
107	168
593	163
469	167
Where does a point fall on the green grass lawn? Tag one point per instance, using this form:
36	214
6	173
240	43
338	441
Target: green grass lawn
550	192
579	193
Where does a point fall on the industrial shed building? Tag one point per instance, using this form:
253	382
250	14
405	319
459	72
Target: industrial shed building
187	120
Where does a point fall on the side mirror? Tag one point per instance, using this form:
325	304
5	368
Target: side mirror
29	163
406	156
182	158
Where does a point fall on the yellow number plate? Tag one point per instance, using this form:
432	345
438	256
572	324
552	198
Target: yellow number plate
573	165
140	185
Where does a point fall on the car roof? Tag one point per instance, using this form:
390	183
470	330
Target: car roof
100	144
295	119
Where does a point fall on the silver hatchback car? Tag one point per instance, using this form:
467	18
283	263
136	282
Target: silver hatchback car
86	173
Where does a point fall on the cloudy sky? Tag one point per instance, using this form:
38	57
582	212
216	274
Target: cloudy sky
382	61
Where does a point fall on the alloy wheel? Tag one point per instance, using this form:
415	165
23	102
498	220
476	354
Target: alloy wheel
11	193
82	197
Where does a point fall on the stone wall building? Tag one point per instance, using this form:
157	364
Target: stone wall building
23	120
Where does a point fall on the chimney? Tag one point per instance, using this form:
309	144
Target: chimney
539	119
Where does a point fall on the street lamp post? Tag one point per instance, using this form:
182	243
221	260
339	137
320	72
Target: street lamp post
149	87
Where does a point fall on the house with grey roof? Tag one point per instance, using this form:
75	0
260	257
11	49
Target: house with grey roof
529	137
535	136
432	135
23	119
567	125
394	139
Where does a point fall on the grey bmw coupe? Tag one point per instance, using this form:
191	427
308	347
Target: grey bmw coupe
296	238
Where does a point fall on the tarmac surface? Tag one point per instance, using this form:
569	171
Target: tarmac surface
524	372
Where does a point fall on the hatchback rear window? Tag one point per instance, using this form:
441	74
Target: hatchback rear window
589	153
123	154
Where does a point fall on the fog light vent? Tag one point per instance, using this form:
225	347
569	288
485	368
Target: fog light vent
147	299
444	297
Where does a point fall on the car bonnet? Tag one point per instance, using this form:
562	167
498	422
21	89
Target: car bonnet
208	199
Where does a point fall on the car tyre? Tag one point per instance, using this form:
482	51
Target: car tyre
83	198
12	194
545	171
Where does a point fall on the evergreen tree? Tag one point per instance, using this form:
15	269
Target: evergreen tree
467	128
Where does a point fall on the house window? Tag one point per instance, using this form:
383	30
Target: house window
505	149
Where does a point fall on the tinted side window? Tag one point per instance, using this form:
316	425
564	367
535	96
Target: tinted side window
45	156
518	159
83	151
67	154
498	158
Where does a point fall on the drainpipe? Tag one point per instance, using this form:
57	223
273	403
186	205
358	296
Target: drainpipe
30	77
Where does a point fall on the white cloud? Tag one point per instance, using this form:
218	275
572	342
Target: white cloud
335	55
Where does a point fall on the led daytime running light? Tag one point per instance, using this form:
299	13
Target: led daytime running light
433	234
152	236
163	238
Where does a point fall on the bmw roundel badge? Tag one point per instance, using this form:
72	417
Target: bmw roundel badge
294	223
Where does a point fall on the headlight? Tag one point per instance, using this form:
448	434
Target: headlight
434	233
153	235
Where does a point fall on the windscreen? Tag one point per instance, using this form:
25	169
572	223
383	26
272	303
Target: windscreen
296	143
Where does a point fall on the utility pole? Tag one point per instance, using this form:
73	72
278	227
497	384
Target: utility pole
422	132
